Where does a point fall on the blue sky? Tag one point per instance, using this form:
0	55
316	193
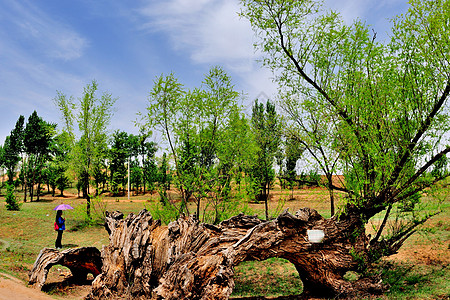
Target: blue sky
53	45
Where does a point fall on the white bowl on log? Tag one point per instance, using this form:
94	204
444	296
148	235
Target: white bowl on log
315	235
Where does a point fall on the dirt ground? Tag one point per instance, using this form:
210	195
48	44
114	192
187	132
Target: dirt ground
11	288
425	253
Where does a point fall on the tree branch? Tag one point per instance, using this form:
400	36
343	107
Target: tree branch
383	224
420	172
425	125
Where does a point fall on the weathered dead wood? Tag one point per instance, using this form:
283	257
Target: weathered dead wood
80	261
191	260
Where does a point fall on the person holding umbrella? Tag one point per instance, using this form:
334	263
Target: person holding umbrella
60	225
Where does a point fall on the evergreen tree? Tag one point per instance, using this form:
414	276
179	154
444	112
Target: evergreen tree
10	197
37	140
12	149
267	134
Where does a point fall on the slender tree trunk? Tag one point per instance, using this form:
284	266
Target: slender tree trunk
31	191
383	223
266	200
25	177
128	182
85	193
198	209
88	206
331	202
38	191
33	177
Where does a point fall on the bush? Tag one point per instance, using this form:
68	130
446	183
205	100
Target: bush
98	213
11	200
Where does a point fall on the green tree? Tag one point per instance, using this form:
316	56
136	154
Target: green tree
136	175
163	178
10	197
38	135
267	134
92	115
59	164
2	164
384	106
162	114
194	124
292	152
10	160
146	150
310	128
141	156
12	149
118	155
218	116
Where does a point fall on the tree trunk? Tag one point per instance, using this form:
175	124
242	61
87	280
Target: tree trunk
88	206
80	261
38	191
25	176
331	191
31	191
192	260
25	190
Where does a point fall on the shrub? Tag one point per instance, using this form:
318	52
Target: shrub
98	213
11	200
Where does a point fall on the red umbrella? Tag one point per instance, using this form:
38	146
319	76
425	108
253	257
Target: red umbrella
63	207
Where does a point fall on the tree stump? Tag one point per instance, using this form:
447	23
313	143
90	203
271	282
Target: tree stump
80	261
192	260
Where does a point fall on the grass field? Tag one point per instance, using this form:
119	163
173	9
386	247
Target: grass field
419	271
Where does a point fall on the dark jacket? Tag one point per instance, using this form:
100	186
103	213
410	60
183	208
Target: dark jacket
61	223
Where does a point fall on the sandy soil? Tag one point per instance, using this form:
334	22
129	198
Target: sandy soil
11	288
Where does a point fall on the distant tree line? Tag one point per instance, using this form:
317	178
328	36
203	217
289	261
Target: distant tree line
374	112
212	146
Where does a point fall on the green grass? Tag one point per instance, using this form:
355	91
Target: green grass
420	271
272	277
24	233
417	281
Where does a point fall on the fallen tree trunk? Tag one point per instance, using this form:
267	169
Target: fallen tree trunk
192	260
80	261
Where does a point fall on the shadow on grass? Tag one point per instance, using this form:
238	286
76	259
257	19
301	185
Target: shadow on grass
68	246
66	286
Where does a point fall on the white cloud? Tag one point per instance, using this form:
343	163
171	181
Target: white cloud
210	30
68	45
211	33
53	39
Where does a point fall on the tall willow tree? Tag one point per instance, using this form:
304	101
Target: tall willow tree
205	135
92	114
376	112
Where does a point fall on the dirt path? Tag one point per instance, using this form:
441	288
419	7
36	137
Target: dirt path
12	288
